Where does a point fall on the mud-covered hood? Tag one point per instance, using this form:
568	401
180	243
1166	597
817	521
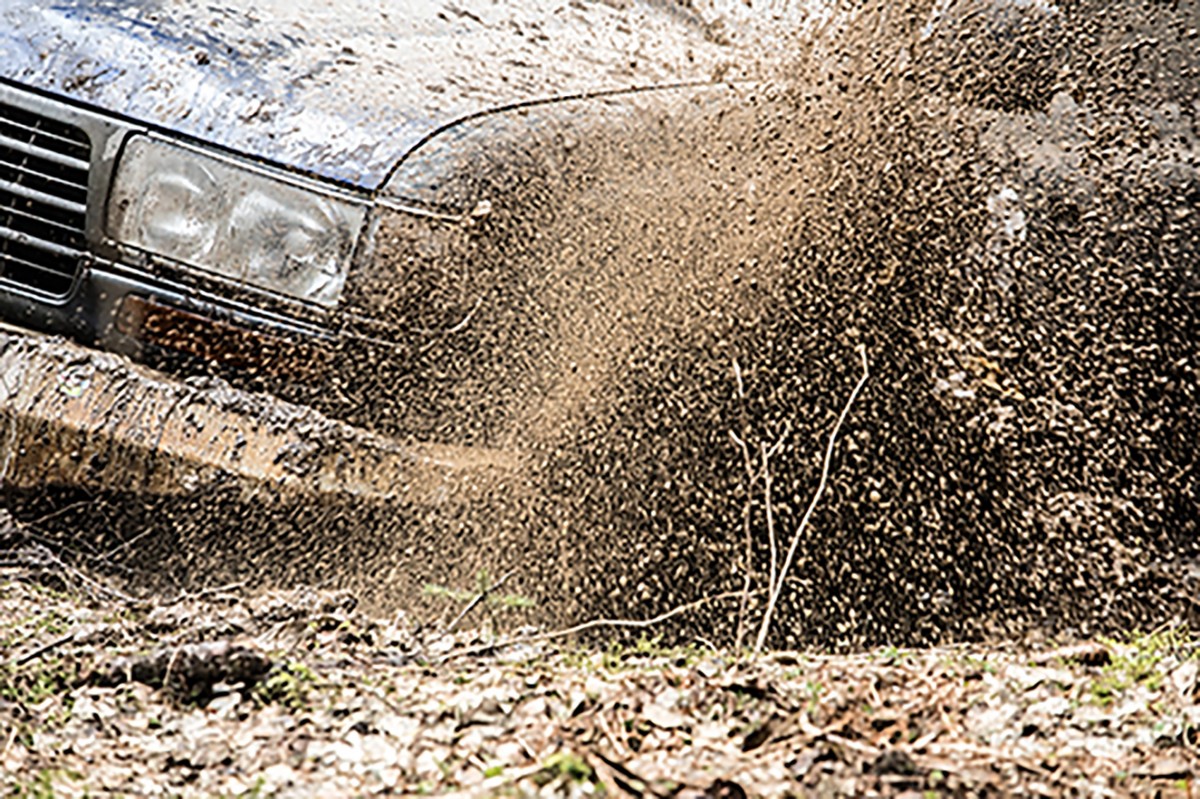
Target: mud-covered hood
341	88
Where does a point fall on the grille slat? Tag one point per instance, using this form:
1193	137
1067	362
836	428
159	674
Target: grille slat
33	195
38	243
68	138
43	200
26	221
14	269
29	177
42	153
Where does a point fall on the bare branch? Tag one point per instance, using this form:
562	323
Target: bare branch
777	586
747	514
743	606
43	649
474	603
636	624
772	542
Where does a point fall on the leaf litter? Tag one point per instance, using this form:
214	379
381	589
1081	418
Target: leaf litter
301	693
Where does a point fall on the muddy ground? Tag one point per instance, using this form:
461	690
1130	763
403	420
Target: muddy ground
298	694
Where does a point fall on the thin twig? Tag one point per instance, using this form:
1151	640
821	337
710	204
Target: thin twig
743	605
630	778
460	326
772	541
47	562
747	519
482	595
29	530
590	625
752	477
747	513
767	479
107	556
43	649
749	464
55	514
49	543
215	590
776	588
166	680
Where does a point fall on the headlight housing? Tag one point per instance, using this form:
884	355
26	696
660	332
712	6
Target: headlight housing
233	220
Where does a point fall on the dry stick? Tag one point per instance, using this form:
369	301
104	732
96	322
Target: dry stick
747	514
747	511
769	512
51	561
206	592
29	529
482	595
776	588
590	625
53	514
743	605
43	649
772	539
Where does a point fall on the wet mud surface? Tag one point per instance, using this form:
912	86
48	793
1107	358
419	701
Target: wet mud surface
1000	203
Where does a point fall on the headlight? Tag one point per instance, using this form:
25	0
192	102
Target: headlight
235	221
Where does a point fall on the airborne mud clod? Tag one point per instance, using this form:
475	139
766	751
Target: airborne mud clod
1000	203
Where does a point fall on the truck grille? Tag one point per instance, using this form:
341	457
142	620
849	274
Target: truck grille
43	200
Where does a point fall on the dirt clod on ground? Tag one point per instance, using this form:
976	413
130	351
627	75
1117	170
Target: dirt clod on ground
346	703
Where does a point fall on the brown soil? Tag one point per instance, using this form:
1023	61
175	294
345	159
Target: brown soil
998	201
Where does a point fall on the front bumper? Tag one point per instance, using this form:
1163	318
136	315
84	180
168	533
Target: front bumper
74	417
111	308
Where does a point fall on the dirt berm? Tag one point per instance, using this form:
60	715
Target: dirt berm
999	201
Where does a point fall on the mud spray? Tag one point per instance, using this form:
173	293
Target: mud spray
998	200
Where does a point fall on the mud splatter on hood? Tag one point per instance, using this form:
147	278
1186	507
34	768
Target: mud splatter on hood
343	89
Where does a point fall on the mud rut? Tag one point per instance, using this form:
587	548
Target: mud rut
1003	208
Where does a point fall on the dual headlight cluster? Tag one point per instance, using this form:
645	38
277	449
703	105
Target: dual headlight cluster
235	221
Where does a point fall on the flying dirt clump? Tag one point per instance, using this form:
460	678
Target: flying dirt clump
1020	264
998	201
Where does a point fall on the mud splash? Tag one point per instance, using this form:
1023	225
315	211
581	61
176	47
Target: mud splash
999	201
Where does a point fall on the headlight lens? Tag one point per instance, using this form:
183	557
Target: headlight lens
234	221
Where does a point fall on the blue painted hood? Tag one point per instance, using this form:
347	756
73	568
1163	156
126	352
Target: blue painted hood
340	88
